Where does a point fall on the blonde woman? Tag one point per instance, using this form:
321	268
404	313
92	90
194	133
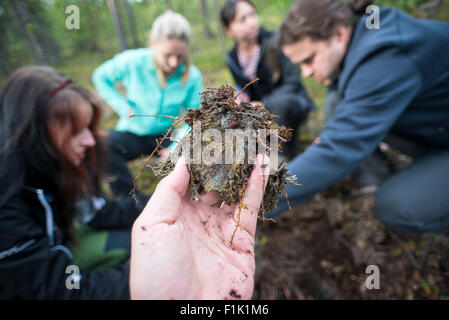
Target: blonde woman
159	80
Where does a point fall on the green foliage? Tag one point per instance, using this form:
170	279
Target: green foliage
97	36
431	291
409	6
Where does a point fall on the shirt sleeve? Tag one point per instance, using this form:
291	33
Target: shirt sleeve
106	76
376	95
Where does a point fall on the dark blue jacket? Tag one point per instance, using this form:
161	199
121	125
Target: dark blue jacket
393	79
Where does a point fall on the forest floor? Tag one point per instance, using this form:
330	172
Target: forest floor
321	249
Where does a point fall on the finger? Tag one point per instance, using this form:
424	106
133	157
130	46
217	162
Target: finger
166	201
246	212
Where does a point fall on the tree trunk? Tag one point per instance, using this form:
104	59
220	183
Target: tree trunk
117	24
221	39
92	25
132	23
430	8
50	47
4	70
205	14
42	34
168	4
22	18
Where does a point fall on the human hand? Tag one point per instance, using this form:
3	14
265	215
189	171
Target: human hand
181	249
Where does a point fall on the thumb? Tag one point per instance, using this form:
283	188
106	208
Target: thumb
166	200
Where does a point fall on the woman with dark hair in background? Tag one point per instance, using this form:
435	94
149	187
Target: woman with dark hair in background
253	56
393	81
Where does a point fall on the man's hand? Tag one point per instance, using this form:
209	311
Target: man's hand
181	249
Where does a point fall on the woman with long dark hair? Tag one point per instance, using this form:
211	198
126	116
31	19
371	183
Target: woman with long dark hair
60	239
392	75
51	157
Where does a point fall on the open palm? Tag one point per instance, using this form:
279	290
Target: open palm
185	249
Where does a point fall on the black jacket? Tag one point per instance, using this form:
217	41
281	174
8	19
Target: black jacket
271	59
33	259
